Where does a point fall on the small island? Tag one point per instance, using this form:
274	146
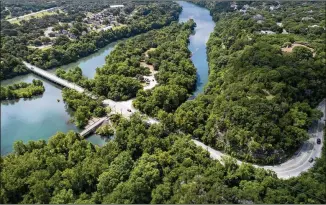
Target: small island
22	90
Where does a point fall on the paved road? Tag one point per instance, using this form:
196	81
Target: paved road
93	126
125	108
291	168
298	163
122	107
53	77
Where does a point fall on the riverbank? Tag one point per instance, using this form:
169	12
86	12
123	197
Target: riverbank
46	115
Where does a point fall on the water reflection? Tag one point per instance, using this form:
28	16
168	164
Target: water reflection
43	116
98	140
90	63
33	118
198	40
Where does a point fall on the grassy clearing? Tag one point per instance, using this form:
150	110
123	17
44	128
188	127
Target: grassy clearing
269	95
44	47
17	20
118	27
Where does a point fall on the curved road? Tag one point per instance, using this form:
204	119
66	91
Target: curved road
300	161
124	108
291	168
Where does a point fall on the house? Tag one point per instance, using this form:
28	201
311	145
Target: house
267	32
72	36
234	5
107	28
307	18
258	17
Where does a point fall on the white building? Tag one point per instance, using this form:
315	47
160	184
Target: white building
107	28
116	6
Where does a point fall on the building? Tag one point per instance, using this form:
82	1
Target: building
116	6
107	28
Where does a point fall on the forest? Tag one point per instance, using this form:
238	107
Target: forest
83	106
65	50
119	78
22	90
143	165
259	101
176	74
75	75
257	106
13	8
10	66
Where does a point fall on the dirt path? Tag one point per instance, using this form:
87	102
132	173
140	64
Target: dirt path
289	49
151	78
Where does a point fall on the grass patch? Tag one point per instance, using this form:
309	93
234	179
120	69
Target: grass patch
17	20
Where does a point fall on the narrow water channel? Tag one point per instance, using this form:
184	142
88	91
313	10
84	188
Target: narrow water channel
197	46
91	62
43	116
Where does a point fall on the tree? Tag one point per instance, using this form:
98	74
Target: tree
81	116
99	111
301	53
63	196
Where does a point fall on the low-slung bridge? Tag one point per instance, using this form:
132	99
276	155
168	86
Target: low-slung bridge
92	127
293	167
53	78
124	108
65	83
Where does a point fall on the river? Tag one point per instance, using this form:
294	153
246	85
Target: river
43	116
197	46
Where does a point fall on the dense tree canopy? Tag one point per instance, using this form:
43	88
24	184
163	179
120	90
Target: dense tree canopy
84	107
22	90
258	103
10	66
143	165
65	50
257	106
117	79
176	74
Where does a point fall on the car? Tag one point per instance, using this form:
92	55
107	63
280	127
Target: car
318	141
311	160
128	110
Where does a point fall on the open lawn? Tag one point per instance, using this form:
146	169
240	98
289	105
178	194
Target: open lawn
38	14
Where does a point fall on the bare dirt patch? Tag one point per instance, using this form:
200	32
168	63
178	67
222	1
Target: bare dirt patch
151	81
289	49
151	67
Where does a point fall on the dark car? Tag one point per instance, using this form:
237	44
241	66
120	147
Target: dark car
318	141
128	110
311	160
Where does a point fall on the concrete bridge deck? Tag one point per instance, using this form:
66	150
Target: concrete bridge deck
92	127
54	78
